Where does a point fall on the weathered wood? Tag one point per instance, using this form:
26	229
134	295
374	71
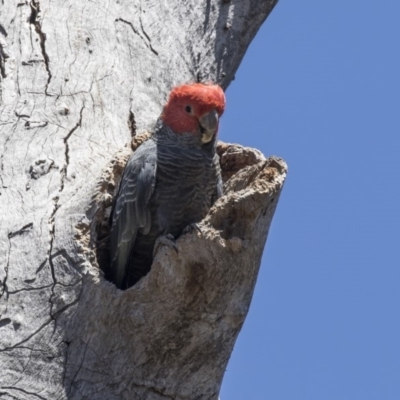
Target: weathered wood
78	79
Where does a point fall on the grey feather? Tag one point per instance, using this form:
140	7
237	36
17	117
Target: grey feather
131	211
170	182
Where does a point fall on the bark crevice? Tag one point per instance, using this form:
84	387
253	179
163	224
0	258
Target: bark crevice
23	391
144	32
21	231
145	39
3	59
33	20
64	169
15	346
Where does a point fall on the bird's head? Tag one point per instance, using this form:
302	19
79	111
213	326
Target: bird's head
195	108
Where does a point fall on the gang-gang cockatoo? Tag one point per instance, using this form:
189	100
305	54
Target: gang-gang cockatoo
169	183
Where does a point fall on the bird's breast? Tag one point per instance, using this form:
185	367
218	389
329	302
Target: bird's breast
185	183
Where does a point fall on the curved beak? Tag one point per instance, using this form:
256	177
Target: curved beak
208	125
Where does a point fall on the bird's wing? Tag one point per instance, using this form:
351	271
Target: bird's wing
131	211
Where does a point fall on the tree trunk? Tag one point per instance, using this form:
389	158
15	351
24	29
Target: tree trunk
78	79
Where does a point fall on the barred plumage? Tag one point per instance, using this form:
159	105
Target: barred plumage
171	181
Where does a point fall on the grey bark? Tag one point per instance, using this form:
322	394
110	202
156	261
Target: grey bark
78	79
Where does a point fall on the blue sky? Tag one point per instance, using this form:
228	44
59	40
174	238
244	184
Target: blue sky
320	87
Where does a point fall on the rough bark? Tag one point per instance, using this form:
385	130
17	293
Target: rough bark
78	79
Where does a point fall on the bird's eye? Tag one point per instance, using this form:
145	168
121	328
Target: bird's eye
188	109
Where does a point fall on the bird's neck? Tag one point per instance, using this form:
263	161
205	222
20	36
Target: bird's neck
164	135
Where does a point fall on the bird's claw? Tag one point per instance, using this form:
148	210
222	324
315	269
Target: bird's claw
193	227
167	240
